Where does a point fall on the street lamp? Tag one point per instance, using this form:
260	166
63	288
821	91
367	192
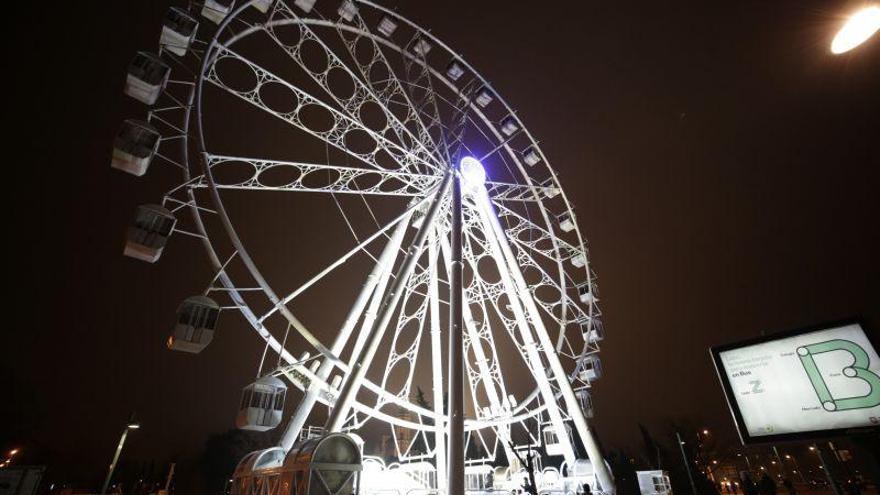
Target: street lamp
131	425
857	29
8	460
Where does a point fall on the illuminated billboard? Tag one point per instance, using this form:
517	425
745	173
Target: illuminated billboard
815	382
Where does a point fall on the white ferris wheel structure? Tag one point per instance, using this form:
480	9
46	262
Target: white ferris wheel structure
438	184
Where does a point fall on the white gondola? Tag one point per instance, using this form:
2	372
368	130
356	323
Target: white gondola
566	221
551	480
586	401
326	465
509	126
147	77
387	26
552	443
305	5
217	10
178	31
421	47
134	147
581	471
347	10
478	477
549	188
196	322
654	483
578	259
586	293
454	70
263	5
262	404
484	97
254	469
591	368
531	156
592	329
147	237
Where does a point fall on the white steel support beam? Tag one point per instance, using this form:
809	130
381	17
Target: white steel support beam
503	432
522	323
352	383
436	360
494	229
383	267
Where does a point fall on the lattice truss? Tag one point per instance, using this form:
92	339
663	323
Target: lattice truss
434	108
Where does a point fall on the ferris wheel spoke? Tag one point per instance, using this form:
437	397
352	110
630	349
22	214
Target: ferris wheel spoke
334	135
311	177
495	231
526	317
375	282
416	72
420	156
407	322
389	89
538	236
474	338
564	312
361	246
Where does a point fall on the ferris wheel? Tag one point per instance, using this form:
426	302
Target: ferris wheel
349	119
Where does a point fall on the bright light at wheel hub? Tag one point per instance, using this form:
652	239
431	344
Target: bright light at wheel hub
472	172
861	26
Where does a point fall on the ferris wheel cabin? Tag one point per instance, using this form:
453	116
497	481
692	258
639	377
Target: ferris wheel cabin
586	292
262	404
347	10
530	156
509	126
566	221
586	401
552	444
146	239
325	465
421	47
591	368
147	77
387	26
484	97
196	321
592	329
263	5
454	70
305	5
134	147
217	10
178	31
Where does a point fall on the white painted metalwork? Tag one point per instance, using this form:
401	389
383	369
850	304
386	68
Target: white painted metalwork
368	112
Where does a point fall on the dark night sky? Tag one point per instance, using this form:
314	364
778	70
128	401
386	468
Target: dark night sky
723	164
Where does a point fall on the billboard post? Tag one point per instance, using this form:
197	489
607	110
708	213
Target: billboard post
825	468
687	464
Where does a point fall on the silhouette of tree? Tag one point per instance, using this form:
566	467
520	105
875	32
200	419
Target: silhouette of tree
223	451
529	464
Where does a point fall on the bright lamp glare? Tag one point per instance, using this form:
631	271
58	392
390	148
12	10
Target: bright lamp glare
472	171
861	26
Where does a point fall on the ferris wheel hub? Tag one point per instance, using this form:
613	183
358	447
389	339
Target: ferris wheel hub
472	172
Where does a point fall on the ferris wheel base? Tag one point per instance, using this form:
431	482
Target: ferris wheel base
370	475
